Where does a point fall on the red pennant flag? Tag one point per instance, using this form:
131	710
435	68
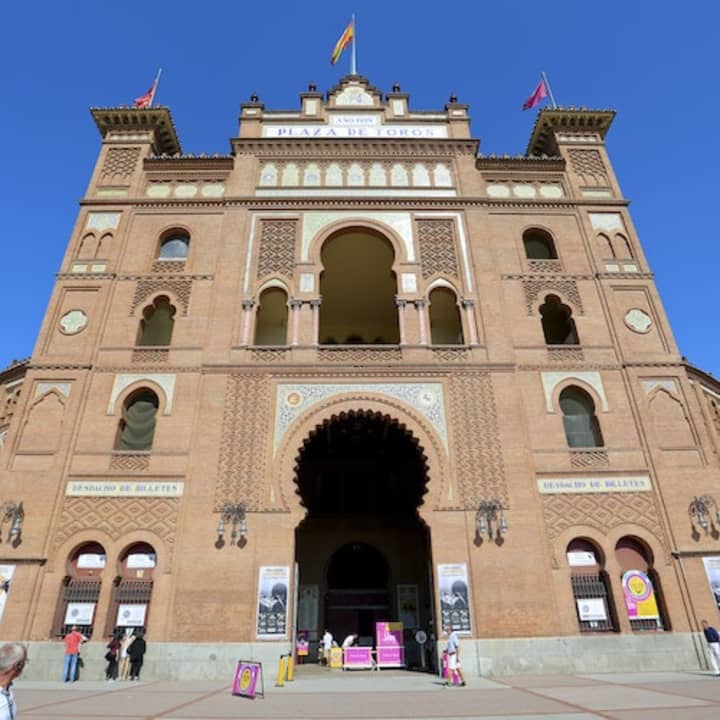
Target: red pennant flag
538	95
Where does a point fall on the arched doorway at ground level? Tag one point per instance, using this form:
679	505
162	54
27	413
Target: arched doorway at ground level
363	552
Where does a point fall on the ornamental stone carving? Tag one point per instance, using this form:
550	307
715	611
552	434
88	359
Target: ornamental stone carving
638	321
73	322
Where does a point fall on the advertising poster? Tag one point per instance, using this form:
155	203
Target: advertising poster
358	657
454	597
639	596
141	560
131	615
273	588
591	609
712	570
79	613
6	576
407	598
390	644
246	679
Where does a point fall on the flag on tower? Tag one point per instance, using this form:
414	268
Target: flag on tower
345	39
538	95
146	100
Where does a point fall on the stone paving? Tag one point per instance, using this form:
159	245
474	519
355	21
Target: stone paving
325	695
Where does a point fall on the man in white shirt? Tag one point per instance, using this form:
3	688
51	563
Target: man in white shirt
13	657
349	641
453	655
327	641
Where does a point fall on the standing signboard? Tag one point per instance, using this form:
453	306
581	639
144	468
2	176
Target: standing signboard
390	645
454	597
248	675
273	587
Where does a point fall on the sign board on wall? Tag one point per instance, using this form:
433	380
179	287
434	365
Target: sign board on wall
102	488
591	609
141	560
639	596
79	613
581	558
454	597
131	615
712	571
273	593
91	561
6	576
599	484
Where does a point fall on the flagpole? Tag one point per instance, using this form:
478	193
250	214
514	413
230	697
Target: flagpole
353	57
549	89
155	87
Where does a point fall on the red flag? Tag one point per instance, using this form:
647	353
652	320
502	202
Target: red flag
146	100
538	95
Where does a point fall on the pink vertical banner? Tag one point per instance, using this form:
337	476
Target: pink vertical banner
390	644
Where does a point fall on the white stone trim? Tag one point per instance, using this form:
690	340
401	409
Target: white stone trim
551	380
165	381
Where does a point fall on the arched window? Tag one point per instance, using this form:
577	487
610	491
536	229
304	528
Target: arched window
641	587
80	590
132	591
137	426
272	318
445	323
156	327
606	247
539	245
590	587
175	246
557	323
622	246
582	429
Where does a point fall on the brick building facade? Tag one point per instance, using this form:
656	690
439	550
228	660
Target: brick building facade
356	371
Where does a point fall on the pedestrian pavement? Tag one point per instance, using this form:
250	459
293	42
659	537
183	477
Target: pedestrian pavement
321	694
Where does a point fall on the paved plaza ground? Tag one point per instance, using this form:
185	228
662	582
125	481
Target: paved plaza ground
322	694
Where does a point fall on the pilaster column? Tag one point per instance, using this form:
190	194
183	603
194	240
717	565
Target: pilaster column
468	306
420	307
315	305
401	317
247	306
295	306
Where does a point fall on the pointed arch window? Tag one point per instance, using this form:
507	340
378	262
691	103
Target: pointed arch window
271	323
539	245
137	425
445	323
156	327
582	429
557	322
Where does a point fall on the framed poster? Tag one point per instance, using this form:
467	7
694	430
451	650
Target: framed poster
407	599
79	613
131	615
712	570
639	596
454	597
591	609
6	576
272	609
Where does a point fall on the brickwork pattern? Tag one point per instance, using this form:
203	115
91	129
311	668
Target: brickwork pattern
119	165
277	248
567	288
437	247
359	355
480	467
243	447
588	165
147	288
130	462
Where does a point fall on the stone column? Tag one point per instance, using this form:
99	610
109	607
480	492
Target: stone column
401	317
247	306
420	306
295	306
315	305
468	306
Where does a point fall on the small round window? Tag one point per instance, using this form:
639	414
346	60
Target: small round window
175	247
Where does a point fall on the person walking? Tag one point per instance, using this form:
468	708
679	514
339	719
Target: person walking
125	644
136	651
13	658
713	641
327	641
453	655
112	656
72	641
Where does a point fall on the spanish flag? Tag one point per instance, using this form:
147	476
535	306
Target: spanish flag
345	39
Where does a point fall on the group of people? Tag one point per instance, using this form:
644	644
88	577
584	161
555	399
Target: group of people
124	655
329	642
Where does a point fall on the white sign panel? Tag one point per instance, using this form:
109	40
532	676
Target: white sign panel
131	615
6	576
581	558
591	609
102	488
273	593
79	613
712	570
141	560
598	484
401	132
454	597
91	561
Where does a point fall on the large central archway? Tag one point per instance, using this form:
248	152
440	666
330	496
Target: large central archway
363	551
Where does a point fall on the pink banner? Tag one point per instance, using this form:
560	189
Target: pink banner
358	657
390	644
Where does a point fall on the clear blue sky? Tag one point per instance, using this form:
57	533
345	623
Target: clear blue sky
655	63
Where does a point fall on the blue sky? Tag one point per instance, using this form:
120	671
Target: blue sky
656	64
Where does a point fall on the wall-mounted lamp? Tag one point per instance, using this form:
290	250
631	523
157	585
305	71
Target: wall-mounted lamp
490	520
235	515
703	511
14	513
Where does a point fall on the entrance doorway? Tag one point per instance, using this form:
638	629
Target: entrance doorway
363	552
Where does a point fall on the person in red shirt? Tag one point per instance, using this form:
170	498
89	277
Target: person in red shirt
72	641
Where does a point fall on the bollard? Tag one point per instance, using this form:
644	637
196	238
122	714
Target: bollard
290	668
282	665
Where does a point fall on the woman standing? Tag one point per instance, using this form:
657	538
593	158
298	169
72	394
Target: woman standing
112	657
124	657
136	651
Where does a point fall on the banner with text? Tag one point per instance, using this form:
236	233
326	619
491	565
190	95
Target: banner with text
273	593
